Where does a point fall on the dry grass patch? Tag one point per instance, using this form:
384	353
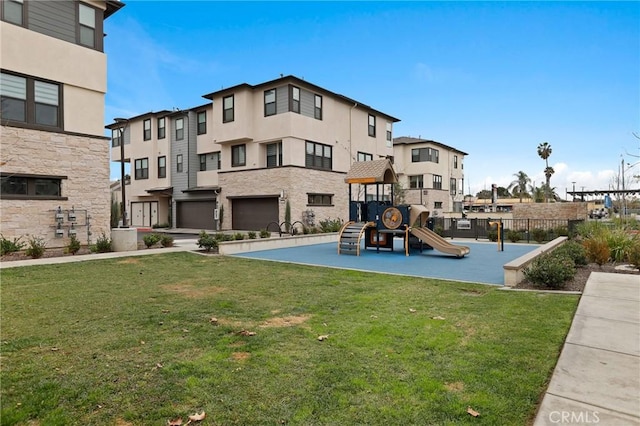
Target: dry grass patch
129	261
454	386
289	321
188	290
240	356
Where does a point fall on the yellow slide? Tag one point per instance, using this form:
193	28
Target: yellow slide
437	242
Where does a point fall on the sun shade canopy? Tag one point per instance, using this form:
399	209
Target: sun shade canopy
378	171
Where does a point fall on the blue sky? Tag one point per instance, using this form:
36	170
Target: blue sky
493	79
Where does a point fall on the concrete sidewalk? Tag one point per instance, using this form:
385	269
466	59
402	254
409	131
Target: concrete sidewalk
597	378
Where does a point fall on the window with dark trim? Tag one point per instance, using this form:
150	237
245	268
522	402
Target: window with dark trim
455	161
416	181
425	154
452	186
274	154
294	99
179	163
216	160
29	101
389	134
363	156
372	125
270	102
161	128
437	204
202	122
116	137
162	167
203	162
13	11
18	186
437	182
318	156
146	129
238	155
319	199
86	25
142	168
227	109
317	107
179	129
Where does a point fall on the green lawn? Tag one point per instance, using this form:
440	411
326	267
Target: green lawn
131	341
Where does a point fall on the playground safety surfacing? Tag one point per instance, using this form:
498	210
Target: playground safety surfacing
484	264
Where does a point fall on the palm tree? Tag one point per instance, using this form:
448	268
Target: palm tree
544	151
520	185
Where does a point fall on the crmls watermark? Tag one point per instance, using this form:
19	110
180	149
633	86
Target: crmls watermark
574	417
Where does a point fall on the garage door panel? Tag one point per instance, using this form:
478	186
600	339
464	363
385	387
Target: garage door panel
254	214
195	214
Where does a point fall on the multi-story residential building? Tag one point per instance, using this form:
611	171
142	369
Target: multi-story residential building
239	161
431	173
54	163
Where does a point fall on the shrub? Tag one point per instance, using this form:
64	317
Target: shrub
550	270
597	250
36	247
238	236
151	240
620	243
512	235
538	235
160	225
561	231
74	245
264	233
330	225
8	246
103	244
574	251
492	236
633	256
166	240
251	235
439	230
207	241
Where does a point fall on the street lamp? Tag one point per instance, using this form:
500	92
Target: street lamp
574	192
123	210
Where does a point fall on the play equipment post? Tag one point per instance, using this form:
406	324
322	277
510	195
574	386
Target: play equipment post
500	233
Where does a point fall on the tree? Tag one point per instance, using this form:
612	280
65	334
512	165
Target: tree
544	151
521	185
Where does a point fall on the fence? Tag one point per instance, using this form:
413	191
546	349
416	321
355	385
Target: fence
538	230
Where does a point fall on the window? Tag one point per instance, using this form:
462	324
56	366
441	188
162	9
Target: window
13	11
116	137
274	154
162	167
87	24
437	182
142	168
455	161
372	125
202	122
238	155
317	109
452	186
416	181
318	156
425	154
179	129
389	135
227	109
179	163
269	102
363	156
18	186
437	204
294	99
203	162
320	199
161	128
146	126
216	160
30	101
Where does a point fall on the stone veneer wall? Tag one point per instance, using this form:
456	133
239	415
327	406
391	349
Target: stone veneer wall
569	211
296	182
85	162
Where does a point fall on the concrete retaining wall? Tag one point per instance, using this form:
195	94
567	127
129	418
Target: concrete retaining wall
514	270
243	246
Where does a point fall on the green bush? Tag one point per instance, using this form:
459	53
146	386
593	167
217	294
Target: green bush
251	235
160	225
151	240
492	236
264	233
74	245
221	236
538	235
574	251
166	240
36	247
620	243
207	241
330	225
238	236
103	244
513	235
550	270
439	230
8	246
633	256
561	231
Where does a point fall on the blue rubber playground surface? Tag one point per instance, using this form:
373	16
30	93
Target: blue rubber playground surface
482	265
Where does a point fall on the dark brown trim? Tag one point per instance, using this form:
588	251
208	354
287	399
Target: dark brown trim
31	175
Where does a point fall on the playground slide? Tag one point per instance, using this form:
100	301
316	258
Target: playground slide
437	242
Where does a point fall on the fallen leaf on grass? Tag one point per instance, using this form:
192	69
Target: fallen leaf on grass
246	333
438	318
473	412
175	422
323	337
214	320
196	417
54	349
413	311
